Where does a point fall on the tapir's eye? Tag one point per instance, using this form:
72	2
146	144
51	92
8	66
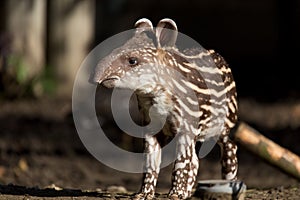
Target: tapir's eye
132	61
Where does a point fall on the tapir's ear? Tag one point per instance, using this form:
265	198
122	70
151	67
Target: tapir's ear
143	24
144	27
166	32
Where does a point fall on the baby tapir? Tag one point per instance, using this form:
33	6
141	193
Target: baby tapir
163	77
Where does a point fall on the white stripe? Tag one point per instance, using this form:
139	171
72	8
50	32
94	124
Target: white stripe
223	92
218	111
194	130
192	65
198	56
214	82
182	89
232	85
179	120
210	69
231	107
191	101
213	110
205	121
234	100
205	53
207	69
187	127
228	122
183	68
188	110
196	88
205	107
222	102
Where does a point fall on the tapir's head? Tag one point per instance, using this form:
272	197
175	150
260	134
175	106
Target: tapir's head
133	63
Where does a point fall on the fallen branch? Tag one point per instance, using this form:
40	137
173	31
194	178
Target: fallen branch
268	150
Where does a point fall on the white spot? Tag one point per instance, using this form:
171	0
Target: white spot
225	139
226	69
195	170
231	175
228	161
147	190
191	174
229	153
179	165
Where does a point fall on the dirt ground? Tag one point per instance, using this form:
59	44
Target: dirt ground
42	157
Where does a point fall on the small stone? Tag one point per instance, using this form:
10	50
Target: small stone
54	187
118	189
23	165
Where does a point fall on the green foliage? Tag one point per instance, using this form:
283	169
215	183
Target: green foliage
18	68
17	83
45	84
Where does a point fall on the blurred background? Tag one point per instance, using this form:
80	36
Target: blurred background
43	42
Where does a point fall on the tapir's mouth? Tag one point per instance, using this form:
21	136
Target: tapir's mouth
110	82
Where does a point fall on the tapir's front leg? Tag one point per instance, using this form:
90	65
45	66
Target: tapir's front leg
185	168
152	168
